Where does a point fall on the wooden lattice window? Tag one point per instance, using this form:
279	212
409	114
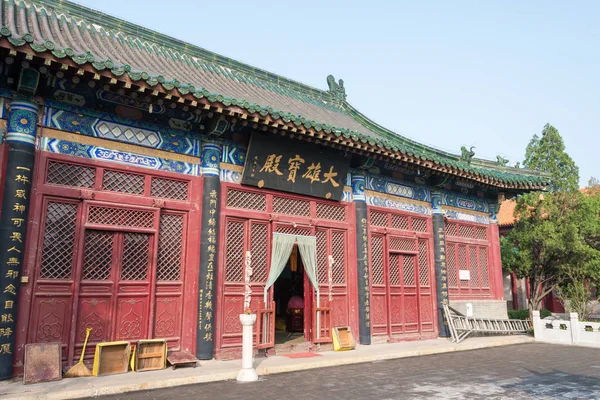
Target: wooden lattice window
419	224
290	230
170	246
322	261
399	221
338	249
377	259
451	229
286	205
423	264
66	174
466	231
402	244
122	182
59	240
483	263
462	263
259	238
474	267
169	189
246	200
331	212
98	255
120	217
136	252
451	264
408	266
377	218
234	251
481	233
394	269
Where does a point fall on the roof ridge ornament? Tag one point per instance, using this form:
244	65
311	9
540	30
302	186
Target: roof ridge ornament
336	89
466	155
502	161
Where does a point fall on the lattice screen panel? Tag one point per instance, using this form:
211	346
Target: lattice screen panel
377	259
377	218
246	200
136	251
338	249
322	255
451	265
169	189
122	182
483	262
290	230
259	237
408	270
423	264
394	269
474	267
66	174
466	231
399	221
234	252
331	212
170	246
480	233
451	229
402	244
462	263
97	255
120	217
419	224
59	239
286	205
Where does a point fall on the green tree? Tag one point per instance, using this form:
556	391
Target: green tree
593	182
550	243
547	154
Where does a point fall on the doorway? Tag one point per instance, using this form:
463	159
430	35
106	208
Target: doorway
290	302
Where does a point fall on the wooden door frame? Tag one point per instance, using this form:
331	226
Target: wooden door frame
43	192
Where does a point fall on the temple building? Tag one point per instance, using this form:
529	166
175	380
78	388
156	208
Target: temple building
144	176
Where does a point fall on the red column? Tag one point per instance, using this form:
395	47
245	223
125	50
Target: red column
495	262
515	293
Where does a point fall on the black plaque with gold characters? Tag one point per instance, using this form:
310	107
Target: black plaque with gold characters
441	273
293	166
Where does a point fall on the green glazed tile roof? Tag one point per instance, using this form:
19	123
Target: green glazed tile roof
86	36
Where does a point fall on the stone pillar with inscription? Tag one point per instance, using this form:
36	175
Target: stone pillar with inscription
20	139
362	259
439	253
209	246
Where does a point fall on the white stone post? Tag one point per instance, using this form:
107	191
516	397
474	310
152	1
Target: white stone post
574	320
537	325
247	373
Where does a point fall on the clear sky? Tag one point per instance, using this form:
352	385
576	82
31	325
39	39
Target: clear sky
487	74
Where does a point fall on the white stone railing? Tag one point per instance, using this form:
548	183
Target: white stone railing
567	331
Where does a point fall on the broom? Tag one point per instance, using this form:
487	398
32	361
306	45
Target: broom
80	369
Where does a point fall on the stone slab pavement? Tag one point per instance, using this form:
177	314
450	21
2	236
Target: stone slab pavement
517	372
215	370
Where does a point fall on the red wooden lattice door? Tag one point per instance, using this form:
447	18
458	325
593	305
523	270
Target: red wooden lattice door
114	264
401	296
116	274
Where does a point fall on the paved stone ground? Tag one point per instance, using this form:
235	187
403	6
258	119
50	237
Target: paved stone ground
527	371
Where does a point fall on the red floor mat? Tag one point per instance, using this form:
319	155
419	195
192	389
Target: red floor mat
301	355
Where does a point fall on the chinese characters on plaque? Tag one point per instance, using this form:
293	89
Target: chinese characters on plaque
294	166
364	269
206	300
443	271
16	193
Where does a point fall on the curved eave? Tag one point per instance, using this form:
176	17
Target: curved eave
276	119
